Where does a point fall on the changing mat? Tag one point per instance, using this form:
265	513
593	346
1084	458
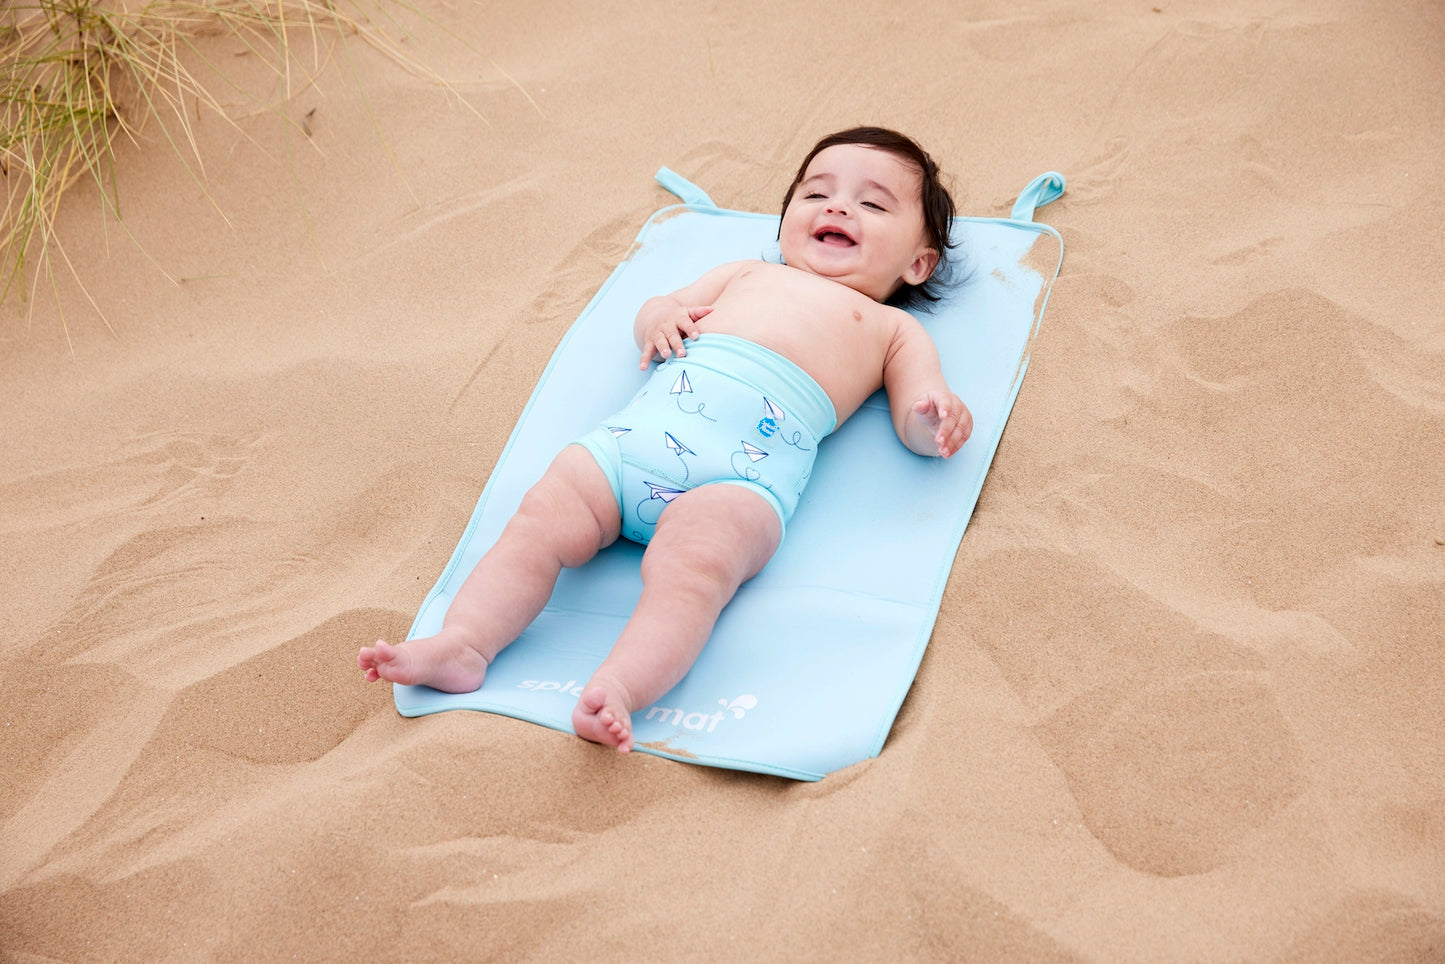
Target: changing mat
810	662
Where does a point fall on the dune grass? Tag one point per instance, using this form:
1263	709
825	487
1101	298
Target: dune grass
78	76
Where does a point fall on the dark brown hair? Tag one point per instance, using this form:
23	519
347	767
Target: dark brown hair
937	204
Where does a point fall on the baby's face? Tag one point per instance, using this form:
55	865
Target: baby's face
857	219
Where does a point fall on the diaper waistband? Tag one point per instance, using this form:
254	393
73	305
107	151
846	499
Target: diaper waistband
765	371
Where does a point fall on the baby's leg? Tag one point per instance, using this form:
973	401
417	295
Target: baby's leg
563	520
708	542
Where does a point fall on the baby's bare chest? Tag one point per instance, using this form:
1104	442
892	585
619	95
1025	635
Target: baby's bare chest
835	334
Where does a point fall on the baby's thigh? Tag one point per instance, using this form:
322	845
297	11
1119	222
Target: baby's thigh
574	497
726	529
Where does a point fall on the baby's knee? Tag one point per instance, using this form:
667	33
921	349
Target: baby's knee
560	520
702	569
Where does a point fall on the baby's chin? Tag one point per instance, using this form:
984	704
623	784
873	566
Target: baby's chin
818	264
848	280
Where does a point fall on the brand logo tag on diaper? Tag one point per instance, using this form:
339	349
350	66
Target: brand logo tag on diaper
773	417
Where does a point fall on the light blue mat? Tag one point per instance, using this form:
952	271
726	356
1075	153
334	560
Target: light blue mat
810	663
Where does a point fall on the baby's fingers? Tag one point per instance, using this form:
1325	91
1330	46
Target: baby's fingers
954	442
945	438
955	433
932	409
674	340
688	326
656	347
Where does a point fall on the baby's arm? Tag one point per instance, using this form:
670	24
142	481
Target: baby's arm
663	322
927	416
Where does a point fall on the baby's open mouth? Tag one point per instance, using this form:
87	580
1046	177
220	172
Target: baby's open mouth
827	236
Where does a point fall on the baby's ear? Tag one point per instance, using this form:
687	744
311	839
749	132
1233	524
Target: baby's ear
922	267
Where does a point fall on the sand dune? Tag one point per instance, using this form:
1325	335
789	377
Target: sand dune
1184	697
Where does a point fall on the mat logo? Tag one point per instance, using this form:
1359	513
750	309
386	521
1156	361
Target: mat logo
704	722
569	688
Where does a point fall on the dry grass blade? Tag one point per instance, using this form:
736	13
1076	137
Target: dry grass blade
77	75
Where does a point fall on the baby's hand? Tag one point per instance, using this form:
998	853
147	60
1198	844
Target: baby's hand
945	415
665	336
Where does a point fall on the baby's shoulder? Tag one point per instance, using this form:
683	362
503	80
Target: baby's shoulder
905	333
900	322
752	270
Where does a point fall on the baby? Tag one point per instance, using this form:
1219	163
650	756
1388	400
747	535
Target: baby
758	362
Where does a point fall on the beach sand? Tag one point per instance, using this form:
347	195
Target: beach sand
1185	699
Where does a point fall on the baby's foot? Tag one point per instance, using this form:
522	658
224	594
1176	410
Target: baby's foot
442	663
601	716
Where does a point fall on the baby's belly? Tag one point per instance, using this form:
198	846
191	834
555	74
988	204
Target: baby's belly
845	379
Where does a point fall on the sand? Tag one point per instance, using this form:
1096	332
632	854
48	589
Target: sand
1184	696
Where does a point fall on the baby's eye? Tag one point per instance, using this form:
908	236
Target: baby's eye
874	206
811	195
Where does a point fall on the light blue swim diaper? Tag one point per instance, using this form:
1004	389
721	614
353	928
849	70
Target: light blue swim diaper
730	411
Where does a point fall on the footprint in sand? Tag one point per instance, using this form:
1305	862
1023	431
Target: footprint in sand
1173	777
